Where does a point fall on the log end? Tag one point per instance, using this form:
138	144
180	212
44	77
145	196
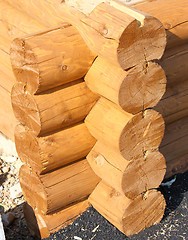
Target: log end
142	88
143	175
146	210
28	149
141	42
25	107
32	186
143	132
24	64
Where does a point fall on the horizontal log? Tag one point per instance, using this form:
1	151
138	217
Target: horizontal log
14	23
171	13
53	109
129	216
42	225
174	146
50	58
7	118
175	64
129	134
58	189
174	104
129	178
125	46
54	150
139	88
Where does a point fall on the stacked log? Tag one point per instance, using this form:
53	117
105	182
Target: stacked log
51	100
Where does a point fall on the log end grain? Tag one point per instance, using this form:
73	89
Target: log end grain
24	64
142	88
144	174
129	216
141	42
142	133
25	107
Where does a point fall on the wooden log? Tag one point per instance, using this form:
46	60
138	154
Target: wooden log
54	150
129	216
130	178
50	58
171	13
56	190
53	109
42	225
125	46
131	135
139	88
174	146
14	23
175	64
174	104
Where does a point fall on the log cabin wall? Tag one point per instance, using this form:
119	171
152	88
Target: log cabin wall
123	96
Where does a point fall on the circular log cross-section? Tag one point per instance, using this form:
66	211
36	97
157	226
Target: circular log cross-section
54	109
132	179
131	135
129	216
134	90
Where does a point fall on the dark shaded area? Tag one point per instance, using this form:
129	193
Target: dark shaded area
173	226
3	178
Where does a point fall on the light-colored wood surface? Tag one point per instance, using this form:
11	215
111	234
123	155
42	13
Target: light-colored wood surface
174	146
56	190
53	150
53	109
50	58
14	23
134	90
130	178
131	135
42	225
129	216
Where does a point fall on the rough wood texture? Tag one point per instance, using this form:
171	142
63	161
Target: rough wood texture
131	135
55	150
129	216
42	225
56	190
133	90
14	23
175	64
53	109
174	104
129	178
139	36
50	58
174	146
171	13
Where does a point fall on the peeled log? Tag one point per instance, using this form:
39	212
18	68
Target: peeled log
131	135
54	109
42	225
50	58
174	147
138	38
55	150
130	178
174	104
14	23
129	216
134	90
56	190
